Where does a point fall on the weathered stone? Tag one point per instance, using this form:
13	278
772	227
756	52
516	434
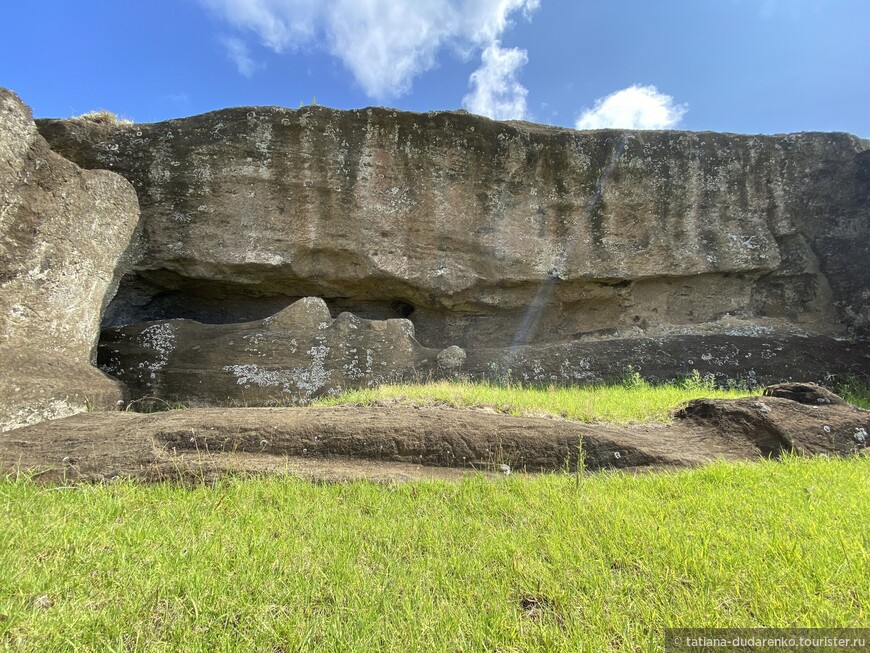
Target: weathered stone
293	356
557	255
301	353
394	441
487	233
804	393
451	359
775	424
63	234
735	357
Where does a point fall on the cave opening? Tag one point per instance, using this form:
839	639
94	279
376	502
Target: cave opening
161	295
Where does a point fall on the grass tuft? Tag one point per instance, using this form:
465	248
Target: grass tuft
102	117
854	389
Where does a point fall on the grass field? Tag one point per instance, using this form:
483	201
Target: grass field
520	563
545	563
633	401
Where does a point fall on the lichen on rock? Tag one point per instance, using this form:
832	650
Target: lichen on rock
286	254
64	235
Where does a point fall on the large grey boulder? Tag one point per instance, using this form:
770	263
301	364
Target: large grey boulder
63	235
291	357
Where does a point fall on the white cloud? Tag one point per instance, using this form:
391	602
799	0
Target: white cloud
384	43
485	20
239	54
496	92
635	107
279	24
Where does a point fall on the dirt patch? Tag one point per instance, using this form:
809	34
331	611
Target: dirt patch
401	443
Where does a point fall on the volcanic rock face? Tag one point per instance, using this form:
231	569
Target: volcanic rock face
544	251
301	353
63	232
489	233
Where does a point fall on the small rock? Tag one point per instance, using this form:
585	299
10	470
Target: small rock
43	602
804	393
452	358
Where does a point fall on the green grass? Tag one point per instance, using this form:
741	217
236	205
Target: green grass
633	401
551	563
854	389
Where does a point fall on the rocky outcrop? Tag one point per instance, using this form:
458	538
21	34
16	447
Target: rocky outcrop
301	353
397	440
488	233
735	357
63	235
785	420
551	252
804	393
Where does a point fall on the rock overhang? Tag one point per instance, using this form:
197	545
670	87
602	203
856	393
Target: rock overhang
491	235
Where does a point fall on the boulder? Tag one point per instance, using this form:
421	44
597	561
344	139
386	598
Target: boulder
804	393
451	359
64	233
784	422
298	354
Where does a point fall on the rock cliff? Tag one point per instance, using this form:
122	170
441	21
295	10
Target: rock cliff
63	234
506	239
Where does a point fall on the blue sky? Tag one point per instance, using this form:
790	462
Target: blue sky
751	66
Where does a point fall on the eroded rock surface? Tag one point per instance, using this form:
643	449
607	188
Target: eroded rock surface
293	356
737	356
803	393
331	442
63	235
543	254
302	353
783	421
487	233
